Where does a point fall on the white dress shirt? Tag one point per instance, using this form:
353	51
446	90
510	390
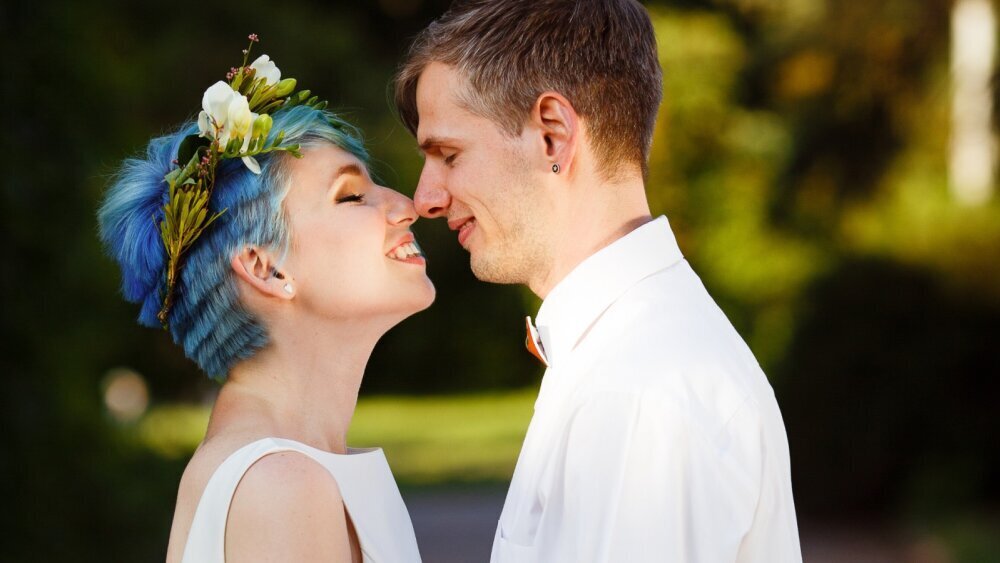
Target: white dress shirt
655	436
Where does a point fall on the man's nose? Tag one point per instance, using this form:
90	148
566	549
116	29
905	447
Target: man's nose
431	198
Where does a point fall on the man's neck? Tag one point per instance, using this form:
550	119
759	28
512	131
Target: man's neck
587	221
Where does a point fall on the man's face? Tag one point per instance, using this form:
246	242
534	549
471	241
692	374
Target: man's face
481	180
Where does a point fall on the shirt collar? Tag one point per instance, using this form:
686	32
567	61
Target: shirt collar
590	288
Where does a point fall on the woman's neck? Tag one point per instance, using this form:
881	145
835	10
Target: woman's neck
302	386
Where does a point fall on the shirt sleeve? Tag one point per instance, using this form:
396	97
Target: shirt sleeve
643	479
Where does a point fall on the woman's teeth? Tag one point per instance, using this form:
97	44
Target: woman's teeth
404	251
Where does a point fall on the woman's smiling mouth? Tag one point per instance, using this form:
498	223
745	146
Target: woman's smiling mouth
407	251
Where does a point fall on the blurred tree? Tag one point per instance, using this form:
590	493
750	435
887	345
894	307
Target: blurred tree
800	153
897	415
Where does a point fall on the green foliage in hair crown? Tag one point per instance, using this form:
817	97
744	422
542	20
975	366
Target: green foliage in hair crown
234	123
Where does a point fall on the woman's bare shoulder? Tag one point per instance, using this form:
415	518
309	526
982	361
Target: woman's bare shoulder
206	459
287	507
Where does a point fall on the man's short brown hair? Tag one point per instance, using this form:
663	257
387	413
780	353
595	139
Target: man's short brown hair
600	54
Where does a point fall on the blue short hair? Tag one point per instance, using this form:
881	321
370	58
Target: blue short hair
207	318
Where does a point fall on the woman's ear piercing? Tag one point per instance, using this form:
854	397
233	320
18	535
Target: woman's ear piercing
555	168
277	274
288	288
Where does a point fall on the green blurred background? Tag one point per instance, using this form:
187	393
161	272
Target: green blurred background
802	154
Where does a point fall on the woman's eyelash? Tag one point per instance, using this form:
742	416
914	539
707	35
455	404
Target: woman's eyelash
451	158
351	197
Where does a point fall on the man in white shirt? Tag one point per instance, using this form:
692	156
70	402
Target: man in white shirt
656	436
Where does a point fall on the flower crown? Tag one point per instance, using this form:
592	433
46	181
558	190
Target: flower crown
235	123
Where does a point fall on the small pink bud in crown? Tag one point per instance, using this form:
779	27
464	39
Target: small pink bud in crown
253	37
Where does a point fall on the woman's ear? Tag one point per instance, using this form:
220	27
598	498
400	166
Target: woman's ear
559	125
257	269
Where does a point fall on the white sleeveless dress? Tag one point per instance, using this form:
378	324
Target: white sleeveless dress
366	484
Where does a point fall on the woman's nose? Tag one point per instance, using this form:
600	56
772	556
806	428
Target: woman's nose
401	210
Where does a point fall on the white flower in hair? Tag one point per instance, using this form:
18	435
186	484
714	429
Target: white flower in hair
266	69
235	122
240	120
226	116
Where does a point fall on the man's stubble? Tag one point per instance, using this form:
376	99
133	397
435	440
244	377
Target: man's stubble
519	253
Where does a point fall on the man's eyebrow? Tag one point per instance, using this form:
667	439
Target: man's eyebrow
431	142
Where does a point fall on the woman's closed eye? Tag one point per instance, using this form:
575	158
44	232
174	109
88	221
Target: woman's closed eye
359	198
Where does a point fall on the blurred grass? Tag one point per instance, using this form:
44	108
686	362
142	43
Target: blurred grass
970	537
973	538
174	430
446	439
438	440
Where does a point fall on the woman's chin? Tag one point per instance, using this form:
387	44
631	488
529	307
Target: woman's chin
424	299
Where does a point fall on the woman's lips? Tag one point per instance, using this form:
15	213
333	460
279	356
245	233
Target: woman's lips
407	251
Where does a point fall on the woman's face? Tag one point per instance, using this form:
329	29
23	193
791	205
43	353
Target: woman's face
351	254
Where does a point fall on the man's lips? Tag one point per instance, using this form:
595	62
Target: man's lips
464	226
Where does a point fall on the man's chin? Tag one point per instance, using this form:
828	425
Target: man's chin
494	271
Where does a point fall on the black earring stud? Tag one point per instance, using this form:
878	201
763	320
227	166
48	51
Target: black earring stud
555	168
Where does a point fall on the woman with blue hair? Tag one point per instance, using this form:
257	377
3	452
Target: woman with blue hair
257	237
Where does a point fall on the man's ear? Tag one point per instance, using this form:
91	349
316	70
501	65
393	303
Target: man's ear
559	124
256	267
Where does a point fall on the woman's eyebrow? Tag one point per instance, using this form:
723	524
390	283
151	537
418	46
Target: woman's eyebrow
352	168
